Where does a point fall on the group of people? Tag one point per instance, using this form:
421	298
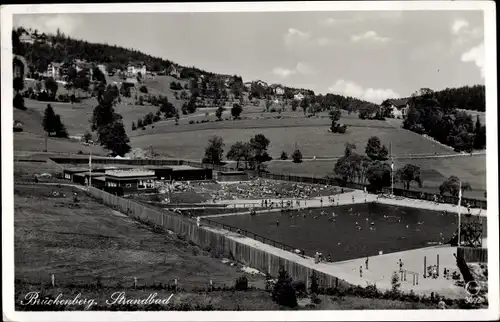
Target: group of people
264	188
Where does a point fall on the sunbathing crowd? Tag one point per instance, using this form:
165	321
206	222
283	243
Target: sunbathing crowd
263	188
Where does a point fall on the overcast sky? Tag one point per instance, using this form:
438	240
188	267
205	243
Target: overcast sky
370	55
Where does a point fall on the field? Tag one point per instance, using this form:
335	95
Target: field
312	140
313	231
79	242
434	171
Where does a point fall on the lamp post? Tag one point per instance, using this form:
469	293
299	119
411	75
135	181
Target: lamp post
459	210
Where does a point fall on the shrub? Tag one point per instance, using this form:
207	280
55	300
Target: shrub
19	102
283	292
191	122
241	283
297	156
133	126
143	89
284	156
272	110
314	283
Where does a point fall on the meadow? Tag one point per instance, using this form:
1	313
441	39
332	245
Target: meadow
285	135
311	231
80	242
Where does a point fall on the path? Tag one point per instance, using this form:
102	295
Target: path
359	197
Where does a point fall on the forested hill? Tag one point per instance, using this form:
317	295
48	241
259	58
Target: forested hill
466	98
61	48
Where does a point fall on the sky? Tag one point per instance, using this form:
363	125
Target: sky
372	55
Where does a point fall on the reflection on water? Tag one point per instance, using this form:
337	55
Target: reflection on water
353	231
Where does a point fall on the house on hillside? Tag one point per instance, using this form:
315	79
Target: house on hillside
134	70
248	85
399	107
173	71
298	97
53	71
278	89
26	38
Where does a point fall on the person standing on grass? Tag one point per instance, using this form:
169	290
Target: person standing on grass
198	221
366	263
361	271
321	201
353	199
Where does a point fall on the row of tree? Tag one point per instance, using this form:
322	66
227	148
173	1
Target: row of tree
253	153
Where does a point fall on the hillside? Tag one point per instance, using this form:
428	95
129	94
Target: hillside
61	48
472	98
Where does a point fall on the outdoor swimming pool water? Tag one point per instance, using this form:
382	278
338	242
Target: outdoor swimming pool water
403	228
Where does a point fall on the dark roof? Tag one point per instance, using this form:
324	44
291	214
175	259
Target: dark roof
75	170
400	102
231	172
109	177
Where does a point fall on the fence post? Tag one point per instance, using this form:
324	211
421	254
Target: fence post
53	280
438	265
425	265
417	278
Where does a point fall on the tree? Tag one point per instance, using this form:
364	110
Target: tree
51	86
408	174
108	124
451	186
236	111
379	175
60	129
218	113
269	103
18	84
314	283
49	120
240	151
284	156
375	150
304	104
335	117
98	76
479	135
297	156
259	144
113	137
283	292
87	137
177	117
349	148
214	151
295	104
139	123
191	106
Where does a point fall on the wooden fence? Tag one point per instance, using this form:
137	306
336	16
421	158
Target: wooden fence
473	255
218	241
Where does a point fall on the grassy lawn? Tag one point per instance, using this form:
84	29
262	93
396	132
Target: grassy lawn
312	140
80	242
